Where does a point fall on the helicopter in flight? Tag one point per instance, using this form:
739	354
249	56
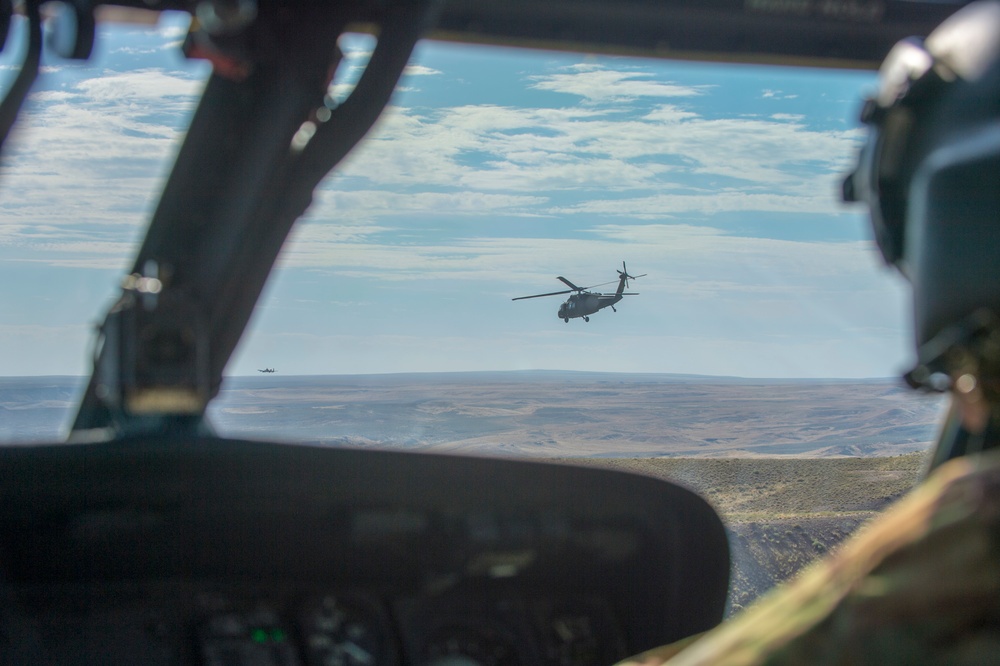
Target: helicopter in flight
584	303
267	370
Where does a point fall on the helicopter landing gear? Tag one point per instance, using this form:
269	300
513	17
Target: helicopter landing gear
613	308
566	319
586	318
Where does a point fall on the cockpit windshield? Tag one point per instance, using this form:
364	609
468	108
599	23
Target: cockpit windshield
492	172
752	318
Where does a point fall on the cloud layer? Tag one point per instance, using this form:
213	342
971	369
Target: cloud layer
719	185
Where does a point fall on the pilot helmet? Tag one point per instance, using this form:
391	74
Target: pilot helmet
930	174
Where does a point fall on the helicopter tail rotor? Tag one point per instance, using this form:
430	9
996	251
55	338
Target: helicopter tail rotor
624	276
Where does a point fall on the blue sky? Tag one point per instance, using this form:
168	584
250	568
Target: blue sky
493	172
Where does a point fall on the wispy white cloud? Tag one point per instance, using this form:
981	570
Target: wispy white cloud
494	148
131	50
791	117
522	193
698	261
377	203
95	151
668	205
81	172
173	31
597	84
777	94
470	160
152	88
420	70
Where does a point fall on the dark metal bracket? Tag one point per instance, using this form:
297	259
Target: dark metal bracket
964	360
14	100
246	172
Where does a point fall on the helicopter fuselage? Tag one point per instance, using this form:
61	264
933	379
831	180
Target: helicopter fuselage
585	304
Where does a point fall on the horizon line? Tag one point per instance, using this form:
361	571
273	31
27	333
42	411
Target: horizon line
275	375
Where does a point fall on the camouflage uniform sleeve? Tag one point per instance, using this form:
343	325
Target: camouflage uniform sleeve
919	585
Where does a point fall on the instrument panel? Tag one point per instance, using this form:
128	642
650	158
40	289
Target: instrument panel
224	552
356	629
178	622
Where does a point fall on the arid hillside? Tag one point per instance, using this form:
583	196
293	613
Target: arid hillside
783	513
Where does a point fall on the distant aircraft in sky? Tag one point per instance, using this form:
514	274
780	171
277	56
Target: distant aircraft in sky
268	370
585	303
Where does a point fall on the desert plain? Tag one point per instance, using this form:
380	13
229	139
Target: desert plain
584	414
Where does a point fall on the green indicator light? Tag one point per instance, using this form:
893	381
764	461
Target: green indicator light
278	636
258	636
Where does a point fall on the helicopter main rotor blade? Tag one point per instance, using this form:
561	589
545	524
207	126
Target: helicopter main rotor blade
576	288
570	284
551	293
564	291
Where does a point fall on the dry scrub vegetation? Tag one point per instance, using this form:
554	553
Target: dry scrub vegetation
754	489
783	513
